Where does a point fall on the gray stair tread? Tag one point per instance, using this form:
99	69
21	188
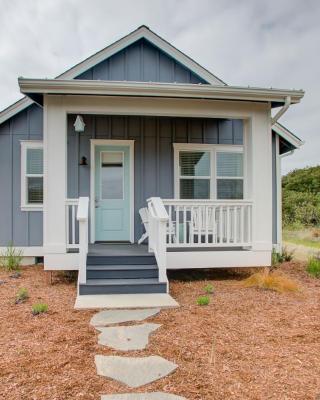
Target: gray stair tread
108	282
125	267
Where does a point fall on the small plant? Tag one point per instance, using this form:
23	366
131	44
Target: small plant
203	300
22	295
313	266
279	258
39	308
271	280
209	288
11	259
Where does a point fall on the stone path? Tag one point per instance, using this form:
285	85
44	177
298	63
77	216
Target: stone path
142	396
131	371
110	317
126	338
134	371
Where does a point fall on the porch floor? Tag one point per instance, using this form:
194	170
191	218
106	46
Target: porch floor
134	249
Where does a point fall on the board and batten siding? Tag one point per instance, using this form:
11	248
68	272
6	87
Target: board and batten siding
141	62
22	228
153	150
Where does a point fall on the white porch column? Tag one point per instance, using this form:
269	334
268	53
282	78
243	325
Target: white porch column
259	147
55	175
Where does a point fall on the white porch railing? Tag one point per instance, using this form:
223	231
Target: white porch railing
158	220
72	225
83	218
209	223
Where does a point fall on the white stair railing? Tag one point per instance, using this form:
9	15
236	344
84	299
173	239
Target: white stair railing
158	220
83	217
209	223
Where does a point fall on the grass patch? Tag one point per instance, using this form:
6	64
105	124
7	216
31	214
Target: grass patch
11	259
39	308
313	267
209	288
279	258
22	295
309	237
203	300
271	280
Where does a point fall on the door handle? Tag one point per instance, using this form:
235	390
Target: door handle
96	203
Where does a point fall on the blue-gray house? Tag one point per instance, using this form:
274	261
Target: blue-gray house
140	142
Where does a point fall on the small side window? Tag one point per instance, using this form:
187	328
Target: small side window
31	175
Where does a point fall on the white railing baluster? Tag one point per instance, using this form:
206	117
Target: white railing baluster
222	223
72	226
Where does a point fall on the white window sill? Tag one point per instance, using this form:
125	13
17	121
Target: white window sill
32	207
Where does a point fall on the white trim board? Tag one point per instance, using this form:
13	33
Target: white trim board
110	142
27	251
282	131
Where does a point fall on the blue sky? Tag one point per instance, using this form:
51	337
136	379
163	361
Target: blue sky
272	43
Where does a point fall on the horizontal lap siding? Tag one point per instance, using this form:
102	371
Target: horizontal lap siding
141	62
22	228
153	147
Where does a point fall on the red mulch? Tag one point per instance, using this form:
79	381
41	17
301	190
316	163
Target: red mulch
247	344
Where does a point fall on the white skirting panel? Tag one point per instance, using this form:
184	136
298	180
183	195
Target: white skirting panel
179	260
61	262
218	259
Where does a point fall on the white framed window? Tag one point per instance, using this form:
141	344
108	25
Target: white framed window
31	175
205	171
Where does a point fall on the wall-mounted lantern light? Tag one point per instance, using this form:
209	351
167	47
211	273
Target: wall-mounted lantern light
83	161
79	124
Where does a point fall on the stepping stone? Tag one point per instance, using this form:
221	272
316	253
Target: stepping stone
142	396
124	338
109	317
134	371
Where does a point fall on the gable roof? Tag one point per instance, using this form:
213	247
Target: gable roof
294	141
143	32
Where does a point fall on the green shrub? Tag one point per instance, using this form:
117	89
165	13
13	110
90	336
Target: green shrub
203	300
209	288
39	308
313	267
11	259
279	258
22	295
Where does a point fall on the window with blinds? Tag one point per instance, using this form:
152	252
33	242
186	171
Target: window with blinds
229	174
31	174
194	174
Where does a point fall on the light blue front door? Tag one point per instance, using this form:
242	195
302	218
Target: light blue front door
112	193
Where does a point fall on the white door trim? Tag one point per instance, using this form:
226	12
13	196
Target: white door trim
110	142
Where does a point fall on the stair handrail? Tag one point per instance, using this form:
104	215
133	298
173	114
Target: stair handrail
83	218
158	219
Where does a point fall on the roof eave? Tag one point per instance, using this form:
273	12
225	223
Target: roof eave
32	87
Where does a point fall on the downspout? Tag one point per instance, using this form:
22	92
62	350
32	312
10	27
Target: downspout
285	107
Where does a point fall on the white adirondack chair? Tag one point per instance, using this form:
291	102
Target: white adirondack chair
203	222
144	215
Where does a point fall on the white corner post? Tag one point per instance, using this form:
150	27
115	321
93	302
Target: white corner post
82	217
279	195
259	152
55	175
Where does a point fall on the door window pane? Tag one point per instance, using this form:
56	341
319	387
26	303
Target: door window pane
35	190
194	163
229	164
229	189
194	188
111	175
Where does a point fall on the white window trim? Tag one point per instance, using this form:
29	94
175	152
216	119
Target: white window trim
213	149
25	145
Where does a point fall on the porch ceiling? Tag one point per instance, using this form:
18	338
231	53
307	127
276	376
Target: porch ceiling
36	88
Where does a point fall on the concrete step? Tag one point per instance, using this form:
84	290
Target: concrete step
122	271
122	286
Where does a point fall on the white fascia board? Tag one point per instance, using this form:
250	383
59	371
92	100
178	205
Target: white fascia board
112	88
287	135
142	32
14	109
